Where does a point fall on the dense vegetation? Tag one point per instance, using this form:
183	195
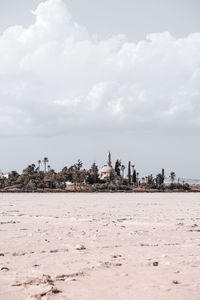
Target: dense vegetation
76	178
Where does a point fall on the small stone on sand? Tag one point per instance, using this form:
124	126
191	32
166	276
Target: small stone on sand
80	247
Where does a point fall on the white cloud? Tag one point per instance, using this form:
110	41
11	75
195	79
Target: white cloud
55	77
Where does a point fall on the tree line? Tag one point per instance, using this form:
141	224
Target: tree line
43	177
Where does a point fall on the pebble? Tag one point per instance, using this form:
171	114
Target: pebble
53	251
175	282
123	274
4	269
80	247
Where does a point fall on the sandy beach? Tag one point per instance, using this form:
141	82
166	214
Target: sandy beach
100	246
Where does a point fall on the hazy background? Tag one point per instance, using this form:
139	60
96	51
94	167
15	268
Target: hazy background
76	90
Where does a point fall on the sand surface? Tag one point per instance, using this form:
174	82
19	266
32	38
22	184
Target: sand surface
100	246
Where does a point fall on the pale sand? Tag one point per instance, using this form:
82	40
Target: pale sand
124	234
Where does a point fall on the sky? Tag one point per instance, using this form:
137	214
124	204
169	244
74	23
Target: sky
79	78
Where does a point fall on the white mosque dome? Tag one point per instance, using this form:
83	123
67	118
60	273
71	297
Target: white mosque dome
106	169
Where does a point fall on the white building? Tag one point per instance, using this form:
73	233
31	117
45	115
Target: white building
107	172
3	175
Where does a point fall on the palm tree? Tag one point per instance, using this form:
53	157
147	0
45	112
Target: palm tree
172	176
45	161
39	164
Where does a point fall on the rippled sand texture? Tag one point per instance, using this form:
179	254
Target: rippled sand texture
100	246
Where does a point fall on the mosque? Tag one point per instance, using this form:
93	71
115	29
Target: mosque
107	172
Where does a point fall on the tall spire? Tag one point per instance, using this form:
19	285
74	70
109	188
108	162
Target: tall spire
109	160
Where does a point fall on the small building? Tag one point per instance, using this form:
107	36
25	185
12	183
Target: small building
2	175
69	183
107	172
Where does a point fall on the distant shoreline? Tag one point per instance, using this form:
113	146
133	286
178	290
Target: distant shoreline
97	192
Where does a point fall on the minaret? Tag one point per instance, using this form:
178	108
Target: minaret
109	160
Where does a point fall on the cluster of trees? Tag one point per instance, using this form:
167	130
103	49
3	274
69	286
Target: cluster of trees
42	177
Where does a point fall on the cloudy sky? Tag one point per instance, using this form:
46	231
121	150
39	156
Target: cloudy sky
81	77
